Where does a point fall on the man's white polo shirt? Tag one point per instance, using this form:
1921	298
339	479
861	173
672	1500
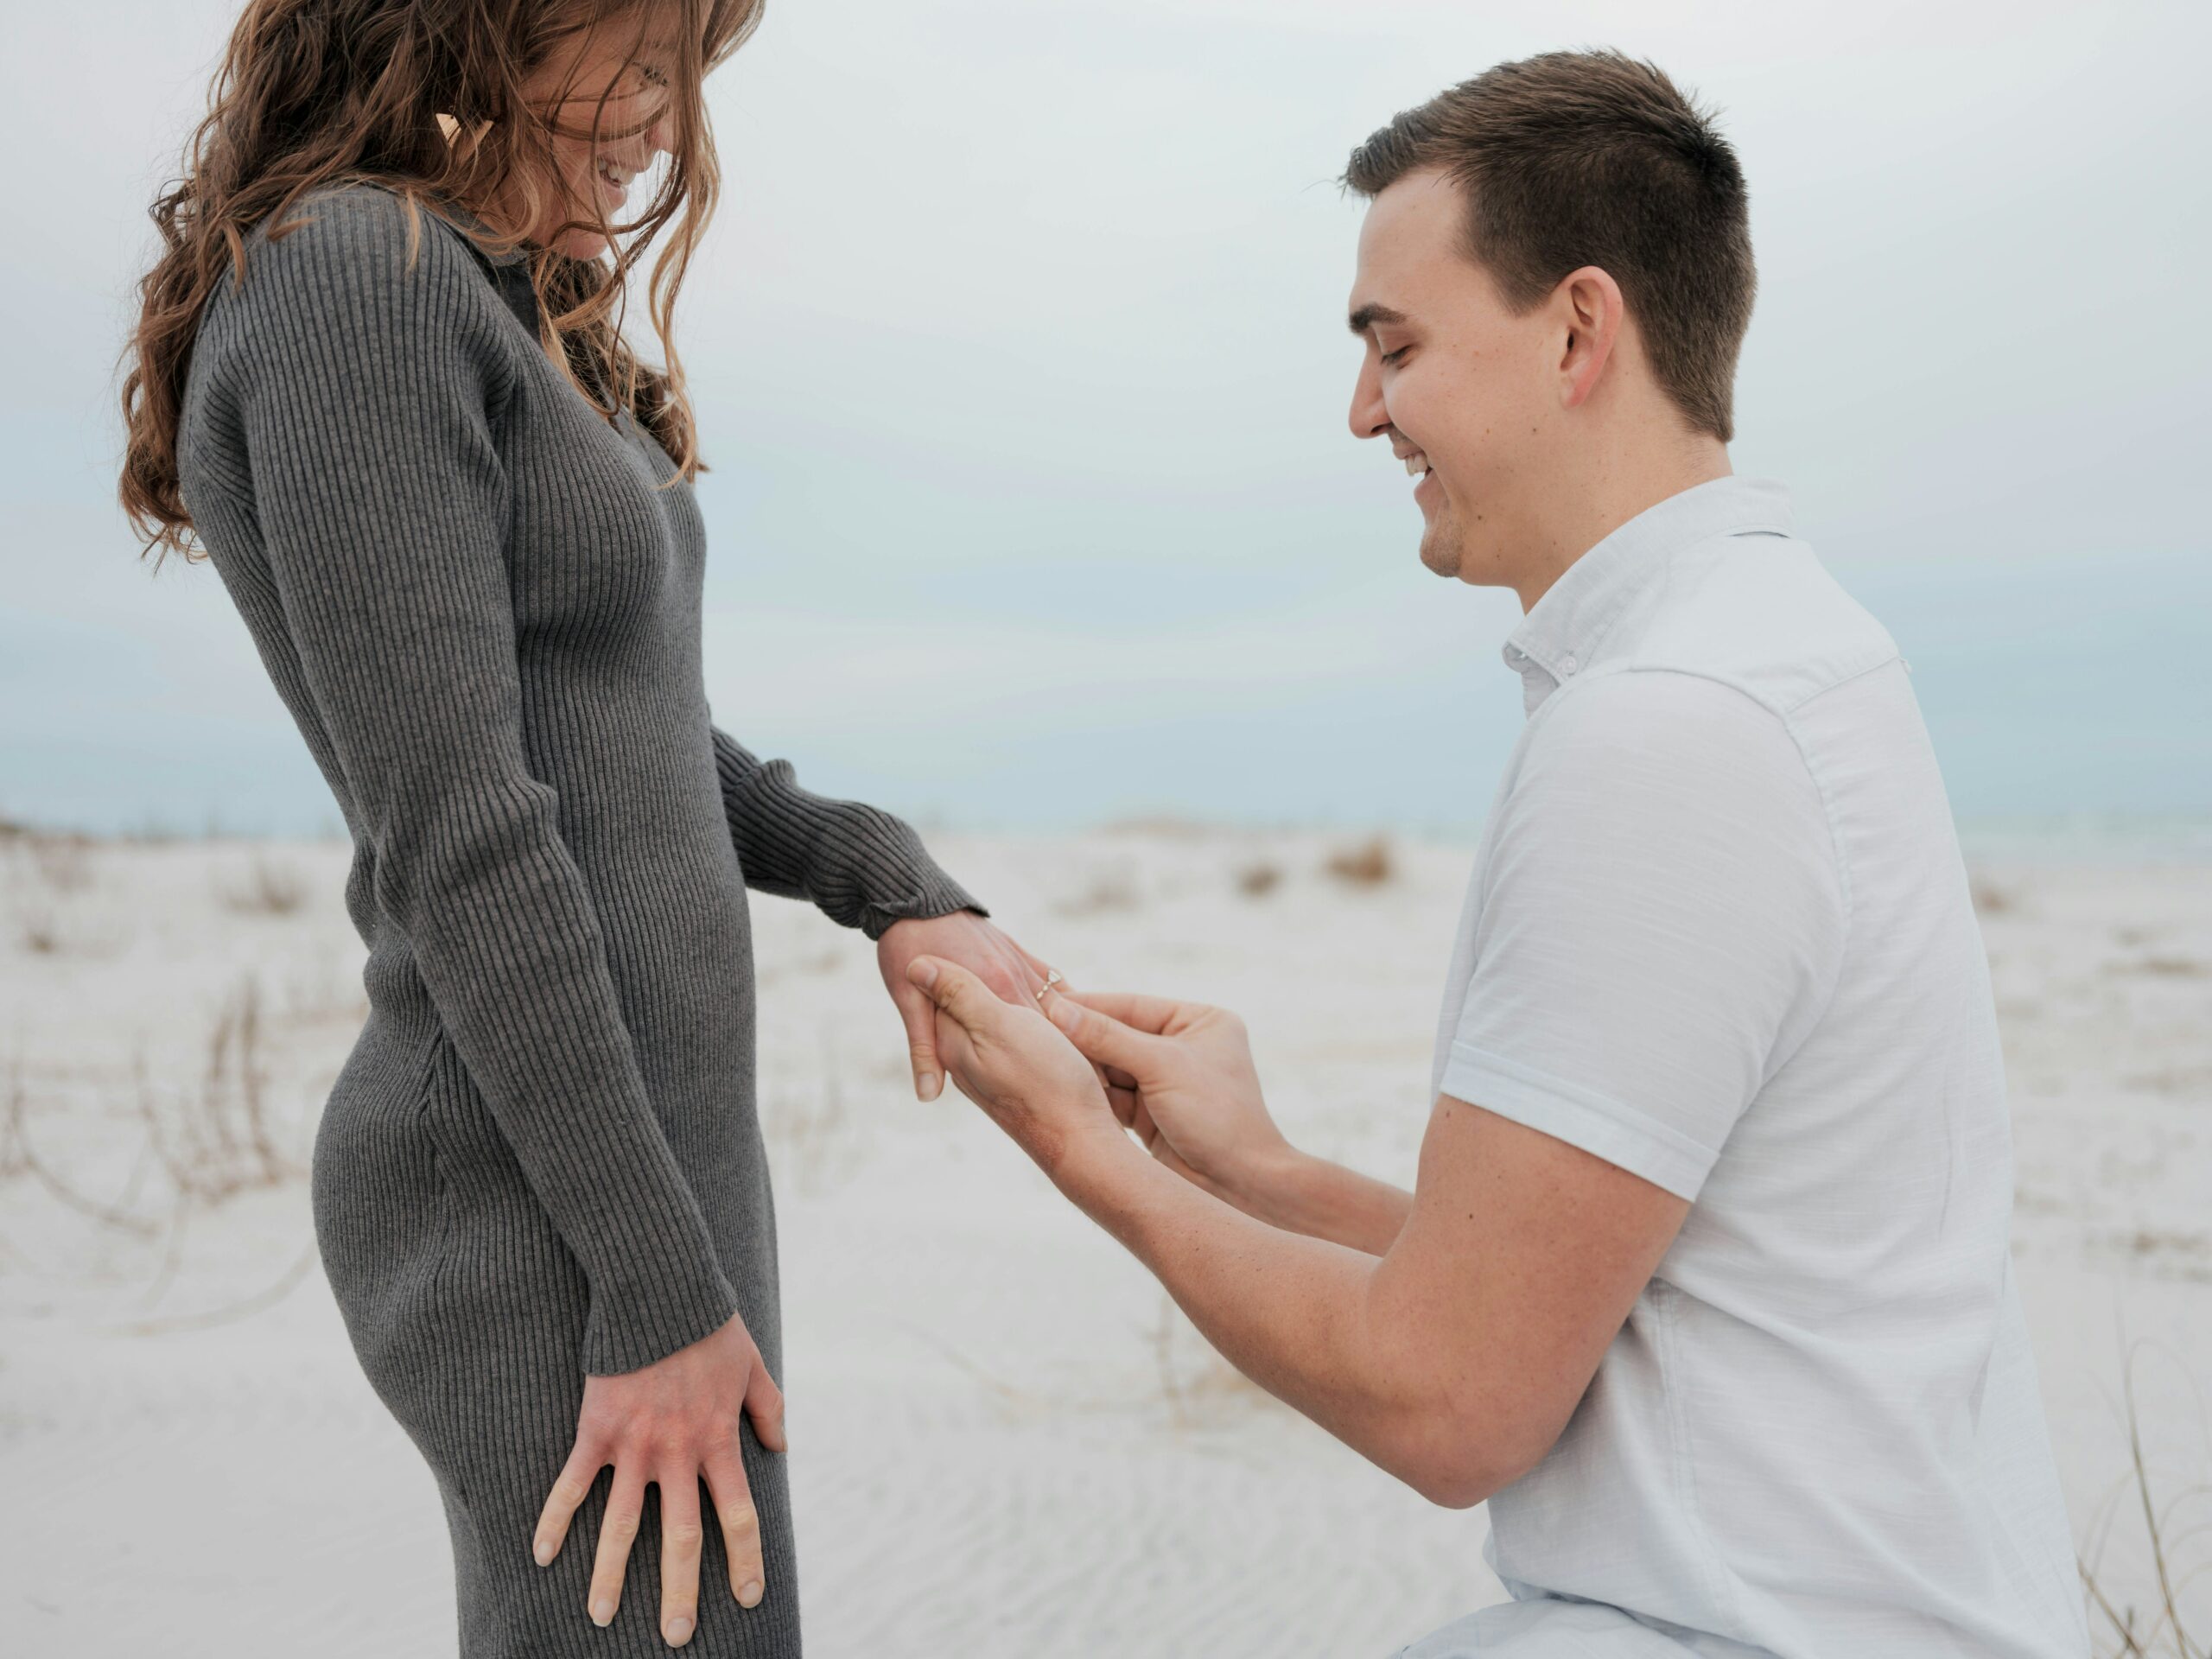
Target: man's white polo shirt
1719	933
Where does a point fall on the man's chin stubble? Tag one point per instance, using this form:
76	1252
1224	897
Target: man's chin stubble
1440	549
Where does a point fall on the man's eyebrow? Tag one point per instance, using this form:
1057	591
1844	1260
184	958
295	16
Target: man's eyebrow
1368	315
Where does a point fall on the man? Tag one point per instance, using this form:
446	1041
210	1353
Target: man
1704	1283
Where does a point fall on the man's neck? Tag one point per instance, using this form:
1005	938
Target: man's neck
1623	485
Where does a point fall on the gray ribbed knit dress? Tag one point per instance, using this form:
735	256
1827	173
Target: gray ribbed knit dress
542	1157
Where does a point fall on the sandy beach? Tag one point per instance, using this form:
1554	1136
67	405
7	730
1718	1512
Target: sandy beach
1005	1440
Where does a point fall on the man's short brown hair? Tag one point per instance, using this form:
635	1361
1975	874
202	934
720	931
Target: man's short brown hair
1595	158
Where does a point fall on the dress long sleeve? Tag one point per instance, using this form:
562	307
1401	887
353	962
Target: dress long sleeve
863	867
367	397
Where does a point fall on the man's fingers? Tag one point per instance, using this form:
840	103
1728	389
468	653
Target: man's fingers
1149	1015
1163	1150
964	998
617	1530
918	1015
1125	1104
740	1521
1141	1120
682	1537
1099	1036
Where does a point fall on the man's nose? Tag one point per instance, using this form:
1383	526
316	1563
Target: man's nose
1369	418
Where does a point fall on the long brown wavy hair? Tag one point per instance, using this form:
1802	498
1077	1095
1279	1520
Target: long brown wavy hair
314	93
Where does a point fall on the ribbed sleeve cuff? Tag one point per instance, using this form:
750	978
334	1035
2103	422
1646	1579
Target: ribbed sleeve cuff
666	1305
860	866
892	875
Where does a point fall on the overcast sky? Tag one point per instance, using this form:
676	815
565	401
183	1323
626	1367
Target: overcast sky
1019	355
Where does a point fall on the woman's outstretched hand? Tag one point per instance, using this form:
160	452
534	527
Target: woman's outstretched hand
671	1423
1005	970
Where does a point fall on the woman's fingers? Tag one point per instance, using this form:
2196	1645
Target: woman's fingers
667	1424
1026	973
1042	970
740	1521
570	1487
617	1530
764	1404
681	1540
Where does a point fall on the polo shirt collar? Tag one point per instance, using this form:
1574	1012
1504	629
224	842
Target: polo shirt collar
1562	632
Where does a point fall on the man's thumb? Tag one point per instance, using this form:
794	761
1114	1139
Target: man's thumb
1098	1036
952	987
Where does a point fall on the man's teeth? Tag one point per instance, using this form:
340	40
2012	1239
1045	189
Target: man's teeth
1416	465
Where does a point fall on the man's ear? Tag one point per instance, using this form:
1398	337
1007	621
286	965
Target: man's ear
1589	304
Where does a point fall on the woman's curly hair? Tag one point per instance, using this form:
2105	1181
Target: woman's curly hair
315	92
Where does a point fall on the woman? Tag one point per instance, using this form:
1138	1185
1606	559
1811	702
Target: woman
380	375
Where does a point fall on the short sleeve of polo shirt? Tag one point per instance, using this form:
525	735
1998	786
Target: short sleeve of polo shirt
1661	919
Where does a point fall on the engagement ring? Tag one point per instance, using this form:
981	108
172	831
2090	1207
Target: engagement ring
1052	978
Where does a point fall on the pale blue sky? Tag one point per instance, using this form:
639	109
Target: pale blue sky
1020	352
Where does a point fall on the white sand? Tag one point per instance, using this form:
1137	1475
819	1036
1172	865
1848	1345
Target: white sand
1006	1441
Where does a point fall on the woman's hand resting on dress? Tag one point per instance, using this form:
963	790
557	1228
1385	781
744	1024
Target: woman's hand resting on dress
671	1423
676	1421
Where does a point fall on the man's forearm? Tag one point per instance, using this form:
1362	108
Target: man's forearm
1296	1313
1301	1194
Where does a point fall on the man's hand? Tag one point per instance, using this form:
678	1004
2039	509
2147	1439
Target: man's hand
1181	1075
964	938
1009	1060
1449	1345
671	1423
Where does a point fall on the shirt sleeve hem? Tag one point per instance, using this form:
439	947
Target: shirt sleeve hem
1597	1123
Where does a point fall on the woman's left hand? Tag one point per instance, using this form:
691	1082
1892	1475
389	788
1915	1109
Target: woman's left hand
1013	1063
964	938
